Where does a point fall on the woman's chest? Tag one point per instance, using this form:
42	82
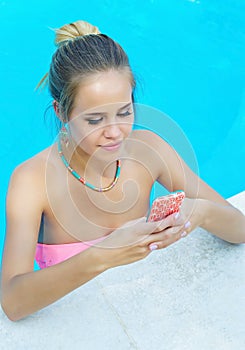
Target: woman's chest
75	212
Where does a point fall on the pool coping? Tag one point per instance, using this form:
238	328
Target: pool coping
188	296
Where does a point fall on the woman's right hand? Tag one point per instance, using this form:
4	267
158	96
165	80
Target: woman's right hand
136	239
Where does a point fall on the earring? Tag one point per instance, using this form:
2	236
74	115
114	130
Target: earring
64	135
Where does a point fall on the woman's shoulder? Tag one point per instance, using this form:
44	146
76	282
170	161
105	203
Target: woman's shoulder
142	133
149	148
158	154
32	170
150	138
27	186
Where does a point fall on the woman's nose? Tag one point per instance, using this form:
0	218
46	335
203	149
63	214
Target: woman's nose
112	131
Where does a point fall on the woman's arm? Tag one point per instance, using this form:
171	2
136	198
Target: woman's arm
26	293
23	290
225	221
203	207
212	212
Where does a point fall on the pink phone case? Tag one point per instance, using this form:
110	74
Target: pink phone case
166	205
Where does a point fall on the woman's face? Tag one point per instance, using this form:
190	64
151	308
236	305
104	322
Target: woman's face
102	116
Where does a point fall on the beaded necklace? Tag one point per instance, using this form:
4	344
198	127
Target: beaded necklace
82	180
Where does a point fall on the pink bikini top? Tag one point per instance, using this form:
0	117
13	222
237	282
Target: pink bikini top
51	254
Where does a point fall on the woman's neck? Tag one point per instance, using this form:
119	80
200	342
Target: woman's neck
90	167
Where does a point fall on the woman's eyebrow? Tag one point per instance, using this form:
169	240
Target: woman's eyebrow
99	113
94	113
127	105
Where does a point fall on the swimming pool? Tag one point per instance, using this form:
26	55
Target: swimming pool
188	56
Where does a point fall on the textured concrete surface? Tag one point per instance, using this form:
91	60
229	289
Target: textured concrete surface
188	296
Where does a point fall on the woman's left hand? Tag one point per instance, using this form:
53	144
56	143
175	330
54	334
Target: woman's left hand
192	213
180	224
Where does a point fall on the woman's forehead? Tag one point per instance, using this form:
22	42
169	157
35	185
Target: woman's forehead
105	89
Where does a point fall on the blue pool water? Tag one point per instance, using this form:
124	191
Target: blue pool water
187	55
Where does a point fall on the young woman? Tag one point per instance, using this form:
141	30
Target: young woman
80	206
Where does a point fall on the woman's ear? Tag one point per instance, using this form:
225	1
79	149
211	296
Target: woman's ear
56	108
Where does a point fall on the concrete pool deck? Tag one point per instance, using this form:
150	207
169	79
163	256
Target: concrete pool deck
188	296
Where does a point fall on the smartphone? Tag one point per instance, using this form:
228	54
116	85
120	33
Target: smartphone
166	205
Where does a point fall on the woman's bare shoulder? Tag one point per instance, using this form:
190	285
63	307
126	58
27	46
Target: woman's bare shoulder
152	141
143	133
149	136
150	149
31	172
34	165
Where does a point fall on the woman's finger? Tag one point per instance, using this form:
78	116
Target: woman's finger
172	220
169	236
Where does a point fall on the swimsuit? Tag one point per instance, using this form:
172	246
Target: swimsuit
51	254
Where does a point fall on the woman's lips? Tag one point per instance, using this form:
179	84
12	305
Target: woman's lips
112	147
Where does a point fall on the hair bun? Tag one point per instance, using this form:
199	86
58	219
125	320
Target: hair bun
74	30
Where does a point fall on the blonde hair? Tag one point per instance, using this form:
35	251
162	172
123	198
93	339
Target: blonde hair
74	30
81	51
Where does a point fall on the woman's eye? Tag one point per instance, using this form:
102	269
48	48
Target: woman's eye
125	114
94	121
